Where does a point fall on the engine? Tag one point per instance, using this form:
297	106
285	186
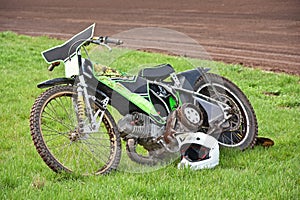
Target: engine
139	125
186	118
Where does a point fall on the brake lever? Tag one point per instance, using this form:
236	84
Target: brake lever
105	45
101	41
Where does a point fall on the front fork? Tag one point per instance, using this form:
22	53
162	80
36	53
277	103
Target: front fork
89	118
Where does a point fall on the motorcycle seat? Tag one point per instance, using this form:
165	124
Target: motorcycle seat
157	73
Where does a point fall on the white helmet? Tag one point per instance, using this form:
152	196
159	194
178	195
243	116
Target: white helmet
198	151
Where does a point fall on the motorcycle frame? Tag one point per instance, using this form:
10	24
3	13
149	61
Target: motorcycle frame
104	86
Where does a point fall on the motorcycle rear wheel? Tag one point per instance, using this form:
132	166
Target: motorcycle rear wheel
243	123
54	131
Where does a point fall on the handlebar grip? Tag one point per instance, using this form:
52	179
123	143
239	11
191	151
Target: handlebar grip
112	41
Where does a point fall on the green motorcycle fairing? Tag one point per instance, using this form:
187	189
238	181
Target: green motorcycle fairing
136	99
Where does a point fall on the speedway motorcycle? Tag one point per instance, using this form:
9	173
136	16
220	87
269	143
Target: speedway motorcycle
158	109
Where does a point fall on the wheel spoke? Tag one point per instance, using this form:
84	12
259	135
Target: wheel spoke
51	117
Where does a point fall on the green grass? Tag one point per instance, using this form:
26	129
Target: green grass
260	173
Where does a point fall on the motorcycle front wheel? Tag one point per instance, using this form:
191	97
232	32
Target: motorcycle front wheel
54	130
242	125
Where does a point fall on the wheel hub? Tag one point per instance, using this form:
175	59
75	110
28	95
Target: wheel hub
74	136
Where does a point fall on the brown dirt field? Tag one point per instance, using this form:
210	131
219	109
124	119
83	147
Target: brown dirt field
254	33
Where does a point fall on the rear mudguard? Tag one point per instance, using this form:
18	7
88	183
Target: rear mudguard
189	78
187	81
56	81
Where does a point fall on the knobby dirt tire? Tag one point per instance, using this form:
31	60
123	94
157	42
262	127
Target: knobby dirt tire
53	126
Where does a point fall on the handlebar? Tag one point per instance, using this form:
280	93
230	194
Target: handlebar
106	40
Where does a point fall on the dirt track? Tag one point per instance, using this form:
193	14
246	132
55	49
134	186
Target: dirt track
263	34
